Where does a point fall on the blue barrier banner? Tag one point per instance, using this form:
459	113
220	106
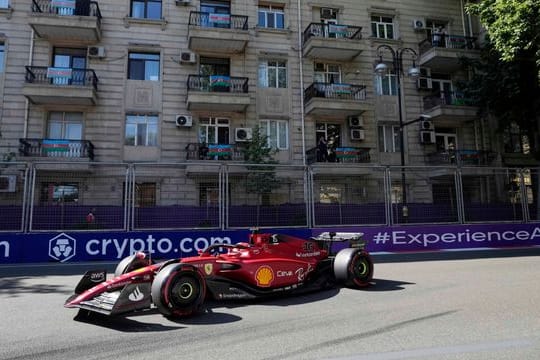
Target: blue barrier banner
113	246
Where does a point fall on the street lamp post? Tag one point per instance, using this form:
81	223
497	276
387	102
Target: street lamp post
414	72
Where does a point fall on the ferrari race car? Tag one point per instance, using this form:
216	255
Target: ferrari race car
268	265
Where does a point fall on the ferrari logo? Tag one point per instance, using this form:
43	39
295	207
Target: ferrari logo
208	268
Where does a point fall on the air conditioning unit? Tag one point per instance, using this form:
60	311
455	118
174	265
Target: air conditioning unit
243	134
184	121
96	52
356	121
424	83
427	137
358	134
427	125
187	57
419	24
8	183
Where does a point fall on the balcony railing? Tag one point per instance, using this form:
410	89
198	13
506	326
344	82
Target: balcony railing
346	154
196	151
223	21
447	41
59	148
447	98
82	8
462	157
218	83
332	31
61	76
335	91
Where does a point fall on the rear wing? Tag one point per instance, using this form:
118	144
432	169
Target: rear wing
354	238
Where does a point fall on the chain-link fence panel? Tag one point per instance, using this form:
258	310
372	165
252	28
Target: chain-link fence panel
493	194
13	187
78	196
176	196
348	195
421	195
266	196
531	183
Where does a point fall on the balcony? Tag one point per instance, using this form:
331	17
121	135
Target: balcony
66	86
347	154
462	157
332	42
451	107
443	53
218	33
80	23
214	152
56	148
326	99
217	93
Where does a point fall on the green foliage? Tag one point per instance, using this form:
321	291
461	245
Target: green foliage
513	26
261	178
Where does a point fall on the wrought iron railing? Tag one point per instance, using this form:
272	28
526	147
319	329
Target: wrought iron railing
332	31
217	83
447	98
197	151
447	41
335	91
342	154
61	76
224	21
462	157
82	8
60	148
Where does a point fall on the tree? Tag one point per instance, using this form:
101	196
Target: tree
261	178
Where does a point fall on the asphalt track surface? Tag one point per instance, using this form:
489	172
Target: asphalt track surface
458	306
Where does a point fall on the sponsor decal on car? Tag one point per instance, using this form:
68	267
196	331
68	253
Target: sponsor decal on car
136	295
264	276
97	277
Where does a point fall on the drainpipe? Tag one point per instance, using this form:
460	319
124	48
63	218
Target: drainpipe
301	72
27	102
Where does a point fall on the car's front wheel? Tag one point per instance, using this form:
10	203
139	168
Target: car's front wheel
353	267
178	290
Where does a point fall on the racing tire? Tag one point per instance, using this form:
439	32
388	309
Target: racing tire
178	290
353	267
130	263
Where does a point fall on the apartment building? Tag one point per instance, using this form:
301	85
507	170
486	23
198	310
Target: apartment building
187	81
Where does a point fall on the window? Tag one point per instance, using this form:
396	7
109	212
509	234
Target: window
208	194
214	131
65	125
386	85
273	73
2	56
146	9
516	140
327	73
4	4
271	16
382	27
145	194
276	132
389	139
330	194
143	66
59	192
141	130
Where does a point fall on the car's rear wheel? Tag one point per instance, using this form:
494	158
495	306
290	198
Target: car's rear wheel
353	267
130	263
178	290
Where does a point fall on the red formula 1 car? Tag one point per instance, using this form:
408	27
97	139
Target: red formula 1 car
269	265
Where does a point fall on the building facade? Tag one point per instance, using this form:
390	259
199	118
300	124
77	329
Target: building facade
87	85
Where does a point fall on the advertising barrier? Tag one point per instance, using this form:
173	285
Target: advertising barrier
113	246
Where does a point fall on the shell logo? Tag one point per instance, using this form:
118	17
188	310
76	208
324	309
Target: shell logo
264	276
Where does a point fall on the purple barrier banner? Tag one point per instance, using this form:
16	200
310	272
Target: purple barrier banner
113	246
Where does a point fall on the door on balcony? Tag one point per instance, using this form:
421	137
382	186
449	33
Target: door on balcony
327	73
214	74
64	126
445	139
71	58
328	18
214	131
332	134
443	85
218	13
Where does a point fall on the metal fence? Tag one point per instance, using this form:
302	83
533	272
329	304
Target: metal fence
90	196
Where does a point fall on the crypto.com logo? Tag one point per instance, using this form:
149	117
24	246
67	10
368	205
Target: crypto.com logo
62	247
